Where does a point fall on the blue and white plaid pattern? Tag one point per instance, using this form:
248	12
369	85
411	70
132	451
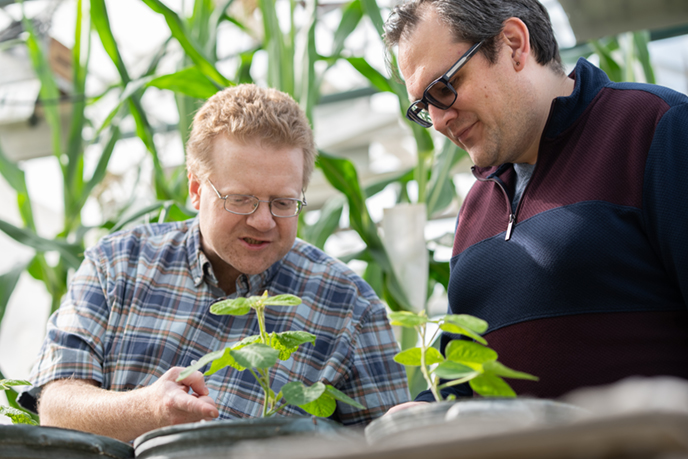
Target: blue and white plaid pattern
138	305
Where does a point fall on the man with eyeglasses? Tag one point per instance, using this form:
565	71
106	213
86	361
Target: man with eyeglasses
572	243
137	311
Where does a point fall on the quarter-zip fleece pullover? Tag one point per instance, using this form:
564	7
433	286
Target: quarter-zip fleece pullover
586	281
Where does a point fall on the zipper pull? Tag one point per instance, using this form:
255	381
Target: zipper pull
510	227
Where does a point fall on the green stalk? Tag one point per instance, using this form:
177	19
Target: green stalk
423	367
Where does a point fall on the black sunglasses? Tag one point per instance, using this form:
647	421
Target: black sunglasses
440	93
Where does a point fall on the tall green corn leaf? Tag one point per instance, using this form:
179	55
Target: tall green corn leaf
15	178
49	92
190	48
351	16
190	81
377	79
342	174
8	281
641	40
309	89
79	65
330	215
440	189
373	12
607	61
280	59
144	131
101	168
71	253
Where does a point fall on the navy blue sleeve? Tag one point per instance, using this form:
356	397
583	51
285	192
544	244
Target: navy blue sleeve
665	194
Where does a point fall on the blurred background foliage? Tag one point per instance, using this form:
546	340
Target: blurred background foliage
295	66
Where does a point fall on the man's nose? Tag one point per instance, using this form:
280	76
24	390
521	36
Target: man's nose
262	219
442	118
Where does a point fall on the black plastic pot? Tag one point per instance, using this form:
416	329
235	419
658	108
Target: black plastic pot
469	418
217	438
37	442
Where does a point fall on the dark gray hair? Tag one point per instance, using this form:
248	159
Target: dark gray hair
474	20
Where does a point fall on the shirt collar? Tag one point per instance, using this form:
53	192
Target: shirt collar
589	80
201	268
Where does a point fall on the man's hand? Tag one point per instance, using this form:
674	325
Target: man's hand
171	402
82	405
403	406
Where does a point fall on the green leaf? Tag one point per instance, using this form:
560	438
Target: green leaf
192	50
234	307
8	281
501	370
407	318
282	300
330	215
467	352
412	357
351	16
17	416
607	61
323	407
489	385
190	81
256	355
226	360
297	393
441	192
342	397
373	12
342	174
288	342
71	253
5	384
469	322
373	76
49	90
456	330
203	361
642	39
453	370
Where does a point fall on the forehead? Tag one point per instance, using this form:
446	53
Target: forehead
426	53
257	165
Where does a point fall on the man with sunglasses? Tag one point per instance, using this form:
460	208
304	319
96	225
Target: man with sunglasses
572	243
137	311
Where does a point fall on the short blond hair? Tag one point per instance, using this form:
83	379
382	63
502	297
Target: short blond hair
248	113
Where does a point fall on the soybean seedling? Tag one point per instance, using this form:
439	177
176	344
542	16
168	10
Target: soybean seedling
464	360
260	353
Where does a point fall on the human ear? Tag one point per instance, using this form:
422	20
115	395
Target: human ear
517	39
194	190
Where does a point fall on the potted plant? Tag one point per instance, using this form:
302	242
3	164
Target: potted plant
469	361
257	354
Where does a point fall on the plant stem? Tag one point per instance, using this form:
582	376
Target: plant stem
457	381
424	368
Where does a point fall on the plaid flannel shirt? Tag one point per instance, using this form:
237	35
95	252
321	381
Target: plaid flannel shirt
139	305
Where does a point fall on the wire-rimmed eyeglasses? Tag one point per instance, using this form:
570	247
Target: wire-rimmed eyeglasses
440	93
245	204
